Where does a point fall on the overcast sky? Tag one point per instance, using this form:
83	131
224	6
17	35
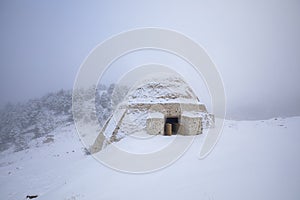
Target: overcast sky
254	44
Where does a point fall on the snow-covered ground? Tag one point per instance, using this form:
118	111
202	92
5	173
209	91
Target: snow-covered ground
252	160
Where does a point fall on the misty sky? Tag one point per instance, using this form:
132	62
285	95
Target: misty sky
254	44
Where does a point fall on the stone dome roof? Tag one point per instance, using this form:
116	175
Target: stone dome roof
167	88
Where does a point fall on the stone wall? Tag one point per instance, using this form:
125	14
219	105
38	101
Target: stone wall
193	117
169	109
155	124
190	125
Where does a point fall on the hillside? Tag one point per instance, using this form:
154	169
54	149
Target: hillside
37	118
41	154
252	160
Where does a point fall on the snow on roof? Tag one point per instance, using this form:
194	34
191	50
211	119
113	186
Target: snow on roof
191	114
162	89
166	101
155	115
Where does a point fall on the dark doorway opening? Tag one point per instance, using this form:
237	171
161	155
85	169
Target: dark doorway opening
171	126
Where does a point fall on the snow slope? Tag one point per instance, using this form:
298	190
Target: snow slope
252	160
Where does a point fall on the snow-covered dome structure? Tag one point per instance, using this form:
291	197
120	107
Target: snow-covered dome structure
163	105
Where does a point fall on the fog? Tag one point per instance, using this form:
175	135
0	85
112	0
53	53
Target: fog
255	46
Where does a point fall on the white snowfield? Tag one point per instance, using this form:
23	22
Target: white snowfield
252	160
